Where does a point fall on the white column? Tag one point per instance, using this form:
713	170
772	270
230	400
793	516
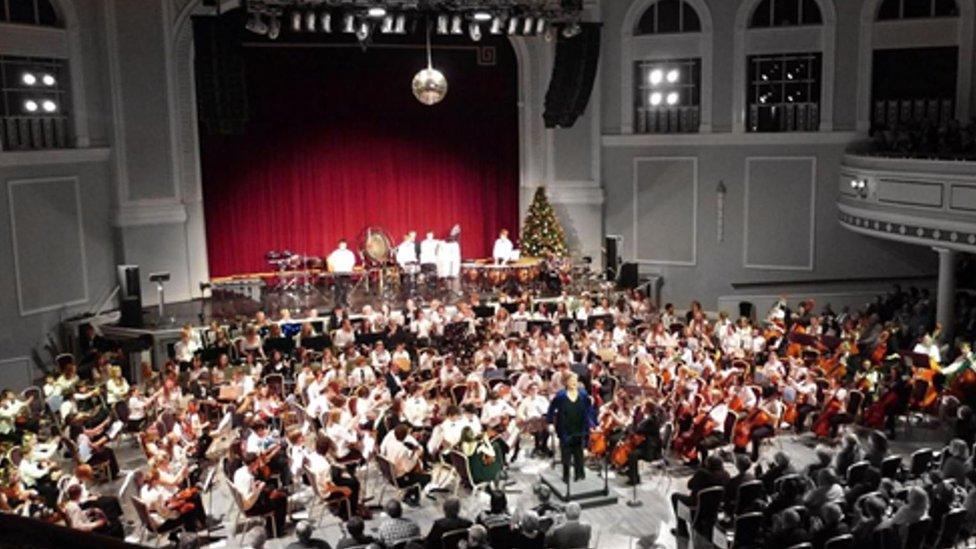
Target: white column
945	300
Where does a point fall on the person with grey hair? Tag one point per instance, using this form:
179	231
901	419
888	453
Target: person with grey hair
529	534
396	528
452	520
571	533
477	538
254	538
304	531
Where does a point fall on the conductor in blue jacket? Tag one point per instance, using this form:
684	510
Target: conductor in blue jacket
572	414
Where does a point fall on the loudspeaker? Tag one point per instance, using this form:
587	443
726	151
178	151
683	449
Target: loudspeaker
746	309
627	278
573	73
611	257
130	296
219	70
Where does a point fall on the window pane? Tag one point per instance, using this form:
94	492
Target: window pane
691	22
667	16
918	8
811	13
890	9
760	17
46	14
646	23
22	11
946	8
785	13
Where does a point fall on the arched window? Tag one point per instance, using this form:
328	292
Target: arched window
29	12
668	16
785	13
917	9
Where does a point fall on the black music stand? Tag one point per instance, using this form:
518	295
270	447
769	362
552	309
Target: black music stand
317	343
284	344
545	325
370	339
483	311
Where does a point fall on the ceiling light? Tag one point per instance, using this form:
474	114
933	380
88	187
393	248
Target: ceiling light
540	26
325	22
572	30
257	25
456	25
673	98
296	21
656	76
497	25
673	75
474	31
656	98
30	106
274	27
512	25
387	26
442	22
528	25
48	80
376	12
349	23
310	20
401	24
49	106
362	33
28	78
481	16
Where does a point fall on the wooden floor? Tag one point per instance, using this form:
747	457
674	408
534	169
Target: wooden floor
614	527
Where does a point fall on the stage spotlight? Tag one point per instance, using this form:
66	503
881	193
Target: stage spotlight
456	25
362	33
310	21
656	76
28	78
656	98
401	24
442	22
673	98
274	27
48	80
572	30
474	31
528	25
349	23
673	76
481	16
376	12
296	21
30	105
540	26
497	25
325	22
387	26
49	106
512	25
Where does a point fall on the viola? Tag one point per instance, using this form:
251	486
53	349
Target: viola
821	427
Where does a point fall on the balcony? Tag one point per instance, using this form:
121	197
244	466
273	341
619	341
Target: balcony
919	201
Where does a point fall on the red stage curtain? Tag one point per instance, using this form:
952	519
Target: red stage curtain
336	142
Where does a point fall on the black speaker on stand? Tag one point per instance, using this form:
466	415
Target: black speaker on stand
573	73
627	277
130	296
611	257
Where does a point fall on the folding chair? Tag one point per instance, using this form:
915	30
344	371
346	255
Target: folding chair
241	513
452	538
386	469
145	520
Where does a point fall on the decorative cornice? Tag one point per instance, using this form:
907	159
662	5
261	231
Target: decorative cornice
585	194
137	214
732	138
48	157
902	229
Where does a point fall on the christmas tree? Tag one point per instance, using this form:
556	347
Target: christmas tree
542	234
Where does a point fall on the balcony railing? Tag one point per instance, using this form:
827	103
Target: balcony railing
19	133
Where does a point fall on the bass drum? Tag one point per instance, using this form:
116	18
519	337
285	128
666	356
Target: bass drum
375	246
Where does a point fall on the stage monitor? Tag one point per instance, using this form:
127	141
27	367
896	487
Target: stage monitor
627	276
130	296
573	74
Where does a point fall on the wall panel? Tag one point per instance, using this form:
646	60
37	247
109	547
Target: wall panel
780	198
665	210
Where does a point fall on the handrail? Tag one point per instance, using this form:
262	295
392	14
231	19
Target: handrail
807	282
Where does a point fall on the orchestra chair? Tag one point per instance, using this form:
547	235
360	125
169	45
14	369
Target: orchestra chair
856	472
917	531
460	464
326	501
499	535
452	538
457	392
663	465
920	462
845	541
745	531
950	531
703	515
404	543
888	537
102	471
142	511
890	467
386	469
241	516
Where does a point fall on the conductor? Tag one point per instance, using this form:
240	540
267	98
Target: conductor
572	415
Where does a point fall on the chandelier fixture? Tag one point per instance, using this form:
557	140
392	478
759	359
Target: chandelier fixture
429	85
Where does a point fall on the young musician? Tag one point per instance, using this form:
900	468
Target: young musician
341	263
502	252
257	497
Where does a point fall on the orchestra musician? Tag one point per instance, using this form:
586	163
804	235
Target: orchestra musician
341	263
257	497
404	453
502	251
647	438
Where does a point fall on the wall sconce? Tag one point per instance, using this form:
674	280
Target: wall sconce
860	187
720	193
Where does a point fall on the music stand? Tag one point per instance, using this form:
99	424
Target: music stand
917	360
483	311
317	343
284	344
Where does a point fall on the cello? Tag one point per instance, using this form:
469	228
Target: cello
834	406
686	444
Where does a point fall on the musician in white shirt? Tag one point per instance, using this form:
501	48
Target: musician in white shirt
256	498
428	250
502	252
531	416
341	263
406	252
716	438
403	452
416	409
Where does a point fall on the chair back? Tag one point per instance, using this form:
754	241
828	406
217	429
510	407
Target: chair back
747	496
143	512
460	463
403	543
856	472
845	541
386	468
452	538
458	391
890	466
951	526
882	539
500	535
707	507
915	539
666	433
921	459
730	421
748	528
